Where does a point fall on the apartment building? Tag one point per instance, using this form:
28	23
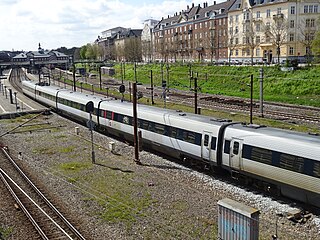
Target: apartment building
198	33
272	30
242	30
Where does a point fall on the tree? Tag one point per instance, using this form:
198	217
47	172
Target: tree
233	39
277	32
83	51
315	46
308	29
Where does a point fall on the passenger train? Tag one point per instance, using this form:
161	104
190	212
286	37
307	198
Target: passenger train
283	161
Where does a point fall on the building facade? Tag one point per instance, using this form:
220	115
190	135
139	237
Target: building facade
147	40
272	30
239	30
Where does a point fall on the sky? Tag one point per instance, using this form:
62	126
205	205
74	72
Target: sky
73	23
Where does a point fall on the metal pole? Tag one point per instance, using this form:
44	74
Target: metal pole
15	99
39	72
135	72
92	145
261	91
196	95
100	78
151	87
135	125
74	76
10	95
121	73
251	96
92	89
167	76
5	91
130	91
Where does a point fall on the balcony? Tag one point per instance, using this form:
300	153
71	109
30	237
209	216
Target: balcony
278	16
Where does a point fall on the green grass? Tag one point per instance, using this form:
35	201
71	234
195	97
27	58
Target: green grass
5	232
300	87
74	167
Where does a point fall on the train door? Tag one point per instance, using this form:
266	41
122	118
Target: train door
235	154
206	145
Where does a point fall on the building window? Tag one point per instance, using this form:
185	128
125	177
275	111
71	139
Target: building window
195	26
291	51
258	39
231	19
291	37
310	8
200	25
237	41
237	52
312	23
258	27
315	8
258	14
305	9
268	26
293	10
236	30
268	13
291	24
258	52
230	30
278	10
237	18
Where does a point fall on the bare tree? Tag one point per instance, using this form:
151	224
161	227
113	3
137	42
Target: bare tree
132	49
233	39
250	35
146	48
316	42
308	29
277	32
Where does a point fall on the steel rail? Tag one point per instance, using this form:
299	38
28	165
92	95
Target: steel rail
52	207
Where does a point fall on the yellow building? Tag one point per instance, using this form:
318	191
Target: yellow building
272	30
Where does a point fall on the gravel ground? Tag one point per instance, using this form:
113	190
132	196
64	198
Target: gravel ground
118	199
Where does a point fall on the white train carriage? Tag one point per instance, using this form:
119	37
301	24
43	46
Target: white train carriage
175	133
288	160
44	94
73	104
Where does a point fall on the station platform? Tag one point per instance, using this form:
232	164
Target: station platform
12	101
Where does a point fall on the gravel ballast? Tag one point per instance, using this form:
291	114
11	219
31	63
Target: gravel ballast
118	199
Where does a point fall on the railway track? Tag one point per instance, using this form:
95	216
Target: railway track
278	111
45	217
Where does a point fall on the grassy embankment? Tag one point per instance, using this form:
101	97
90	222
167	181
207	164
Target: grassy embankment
300	87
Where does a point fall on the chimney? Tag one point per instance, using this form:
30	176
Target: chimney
192	4
168	16
204	5
214	2
187	7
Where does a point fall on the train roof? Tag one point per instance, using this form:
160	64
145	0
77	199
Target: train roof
279	133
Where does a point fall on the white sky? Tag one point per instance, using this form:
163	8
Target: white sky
73	23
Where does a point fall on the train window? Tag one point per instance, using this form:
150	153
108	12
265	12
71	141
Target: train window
190	137
261	155
235	148
227	146
290	162
206	140
316	169
151	126
109	115
173	132
145	125
213	143
159	128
